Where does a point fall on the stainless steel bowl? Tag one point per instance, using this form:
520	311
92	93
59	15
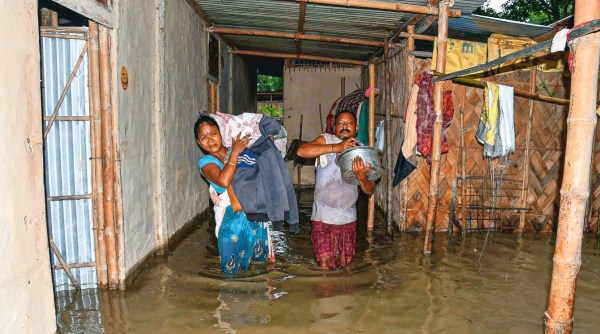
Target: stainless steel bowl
368	154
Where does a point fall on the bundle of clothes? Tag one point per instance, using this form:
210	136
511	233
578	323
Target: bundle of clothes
262	182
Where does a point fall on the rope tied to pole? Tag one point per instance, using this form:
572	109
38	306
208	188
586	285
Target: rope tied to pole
559	327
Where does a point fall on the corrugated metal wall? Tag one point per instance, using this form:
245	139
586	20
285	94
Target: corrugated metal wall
67	160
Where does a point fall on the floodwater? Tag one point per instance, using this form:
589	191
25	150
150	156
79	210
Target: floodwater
389	288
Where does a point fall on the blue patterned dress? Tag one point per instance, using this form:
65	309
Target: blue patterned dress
240	241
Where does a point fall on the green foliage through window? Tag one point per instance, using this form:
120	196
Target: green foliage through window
267	83
270	110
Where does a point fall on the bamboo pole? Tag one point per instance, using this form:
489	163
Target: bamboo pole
395	7
463	171
526	167
321	118
213	97
45	17
575	188
343	86
107	158
436	151
411	40
54	19
371	212
96	146
297	36
388	142
517	92
75	265
64	265
295	56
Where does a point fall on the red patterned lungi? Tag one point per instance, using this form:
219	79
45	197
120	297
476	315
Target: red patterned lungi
333	244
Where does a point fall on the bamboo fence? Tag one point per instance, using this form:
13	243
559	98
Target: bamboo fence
545	158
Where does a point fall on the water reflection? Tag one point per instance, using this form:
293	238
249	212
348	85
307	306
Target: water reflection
389	288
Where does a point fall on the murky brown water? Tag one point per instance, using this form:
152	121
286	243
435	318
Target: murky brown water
390	288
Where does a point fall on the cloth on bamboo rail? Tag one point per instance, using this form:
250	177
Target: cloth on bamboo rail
334	201
496	130
426	114
380	135
334	245
410	123
461	55
265	189
363	123
240	241
350	102
402	169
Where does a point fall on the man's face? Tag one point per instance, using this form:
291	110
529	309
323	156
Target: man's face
345	126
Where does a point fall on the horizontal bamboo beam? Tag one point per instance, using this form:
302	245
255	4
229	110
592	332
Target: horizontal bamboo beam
265	33
67	118
68	198
64	30
389	6
417	36
518	92
75	265
422	54
295	56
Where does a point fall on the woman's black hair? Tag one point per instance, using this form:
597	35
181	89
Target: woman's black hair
203	118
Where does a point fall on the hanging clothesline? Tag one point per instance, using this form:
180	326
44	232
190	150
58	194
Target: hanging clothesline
589	28
518	92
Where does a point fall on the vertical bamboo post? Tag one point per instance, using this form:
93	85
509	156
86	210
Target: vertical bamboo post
54	19
299	165
96	145
463	171
411	40
343	86
45	17
436	152
212	91
525	185
107	155
575	188
388	141
321	117
371	212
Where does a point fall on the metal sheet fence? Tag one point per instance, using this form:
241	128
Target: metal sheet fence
67	159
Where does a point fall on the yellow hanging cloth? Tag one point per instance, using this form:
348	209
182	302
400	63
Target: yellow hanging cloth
490	111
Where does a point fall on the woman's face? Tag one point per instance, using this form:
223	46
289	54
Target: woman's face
209	138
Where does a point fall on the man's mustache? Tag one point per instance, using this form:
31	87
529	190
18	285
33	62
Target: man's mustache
344	130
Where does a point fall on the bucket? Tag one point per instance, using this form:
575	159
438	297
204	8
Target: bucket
368	154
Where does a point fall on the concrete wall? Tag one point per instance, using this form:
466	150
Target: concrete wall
303	90
243	85
25	283
185	70
135	44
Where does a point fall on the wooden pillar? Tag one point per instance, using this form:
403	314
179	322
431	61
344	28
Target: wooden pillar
96	146
575	188
54	19
526	167
212	97
107	158
371	212
45	17
411	40
436	152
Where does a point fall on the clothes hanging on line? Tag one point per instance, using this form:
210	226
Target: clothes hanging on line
426	114
363	123
410	123
350	102
496	131
380	135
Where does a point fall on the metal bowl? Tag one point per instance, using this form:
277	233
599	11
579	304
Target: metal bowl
368	154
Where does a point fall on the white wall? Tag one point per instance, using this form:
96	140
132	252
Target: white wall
136	50
185	73
303	90
25	283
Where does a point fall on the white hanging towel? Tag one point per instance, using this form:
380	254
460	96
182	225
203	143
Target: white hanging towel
506	121
380	135
221	203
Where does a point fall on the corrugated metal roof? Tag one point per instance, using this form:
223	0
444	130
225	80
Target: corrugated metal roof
337	21
479	28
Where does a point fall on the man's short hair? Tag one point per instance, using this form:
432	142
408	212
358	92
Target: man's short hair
346	112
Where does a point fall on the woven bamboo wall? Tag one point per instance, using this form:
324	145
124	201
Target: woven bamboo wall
548	135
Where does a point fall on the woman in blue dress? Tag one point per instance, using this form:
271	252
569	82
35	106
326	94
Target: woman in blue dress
240	241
